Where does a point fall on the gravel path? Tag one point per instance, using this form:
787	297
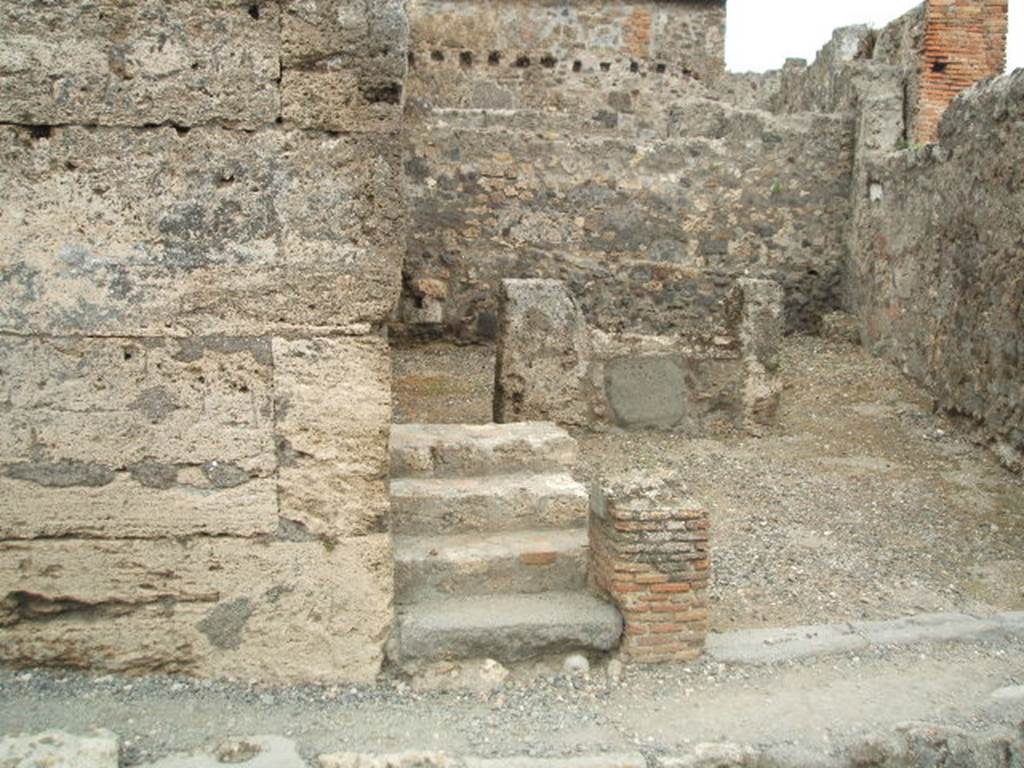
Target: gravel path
817	705
862	505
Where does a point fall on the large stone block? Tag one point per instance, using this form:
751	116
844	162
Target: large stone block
151	232
122	437
344	64
542	356
279	612
138	63
333	420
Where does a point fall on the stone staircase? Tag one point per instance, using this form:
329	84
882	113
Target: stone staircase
490	534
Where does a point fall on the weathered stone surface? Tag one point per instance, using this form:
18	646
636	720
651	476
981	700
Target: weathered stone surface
664	382
760	328
936	261
581	58
542	355
344	64
507	627
278	612
57	749
253	752
524	562
646	391
649	233
128	437
393	760
500	503
333	402
450	450
139	63
148	232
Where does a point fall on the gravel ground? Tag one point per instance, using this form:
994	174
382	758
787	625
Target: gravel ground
818	705
863	504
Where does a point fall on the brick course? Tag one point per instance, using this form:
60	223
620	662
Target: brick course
965	41
649	551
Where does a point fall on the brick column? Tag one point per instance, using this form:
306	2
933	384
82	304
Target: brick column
965	41
649	554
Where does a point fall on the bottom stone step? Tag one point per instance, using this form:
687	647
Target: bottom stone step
508	628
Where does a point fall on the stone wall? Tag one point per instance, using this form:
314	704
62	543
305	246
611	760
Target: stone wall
937	260
203	229
650	234
602	144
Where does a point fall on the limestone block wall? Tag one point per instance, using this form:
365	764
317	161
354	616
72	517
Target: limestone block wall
937	261
201	236
650	234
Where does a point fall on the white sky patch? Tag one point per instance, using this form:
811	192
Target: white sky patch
762	35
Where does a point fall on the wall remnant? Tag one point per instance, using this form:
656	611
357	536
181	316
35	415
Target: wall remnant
761	326
964	42
649	554
542	355
196	268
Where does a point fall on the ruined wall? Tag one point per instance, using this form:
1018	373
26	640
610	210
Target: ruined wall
649	234
202	227
596	143
937	262
964	42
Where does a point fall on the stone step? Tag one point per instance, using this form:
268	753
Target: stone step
431	567
439	506
507	628
467	450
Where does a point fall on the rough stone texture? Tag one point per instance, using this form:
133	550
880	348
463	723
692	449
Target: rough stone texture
649	553
115	63
450	450
202	234
936	261
224	607
498	503
649	233
507	627
344	64
56	749
675	383
253	752
148	232
542	354
127	437
333	398
526	562
761	325
582	58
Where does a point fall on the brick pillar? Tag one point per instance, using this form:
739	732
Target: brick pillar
649	554
965	41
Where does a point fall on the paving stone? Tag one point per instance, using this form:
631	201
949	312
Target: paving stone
57	749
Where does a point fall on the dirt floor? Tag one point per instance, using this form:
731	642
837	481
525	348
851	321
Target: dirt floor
863	504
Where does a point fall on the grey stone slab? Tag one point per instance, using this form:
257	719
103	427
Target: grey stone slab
646	391
769	646
927	628
508	627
